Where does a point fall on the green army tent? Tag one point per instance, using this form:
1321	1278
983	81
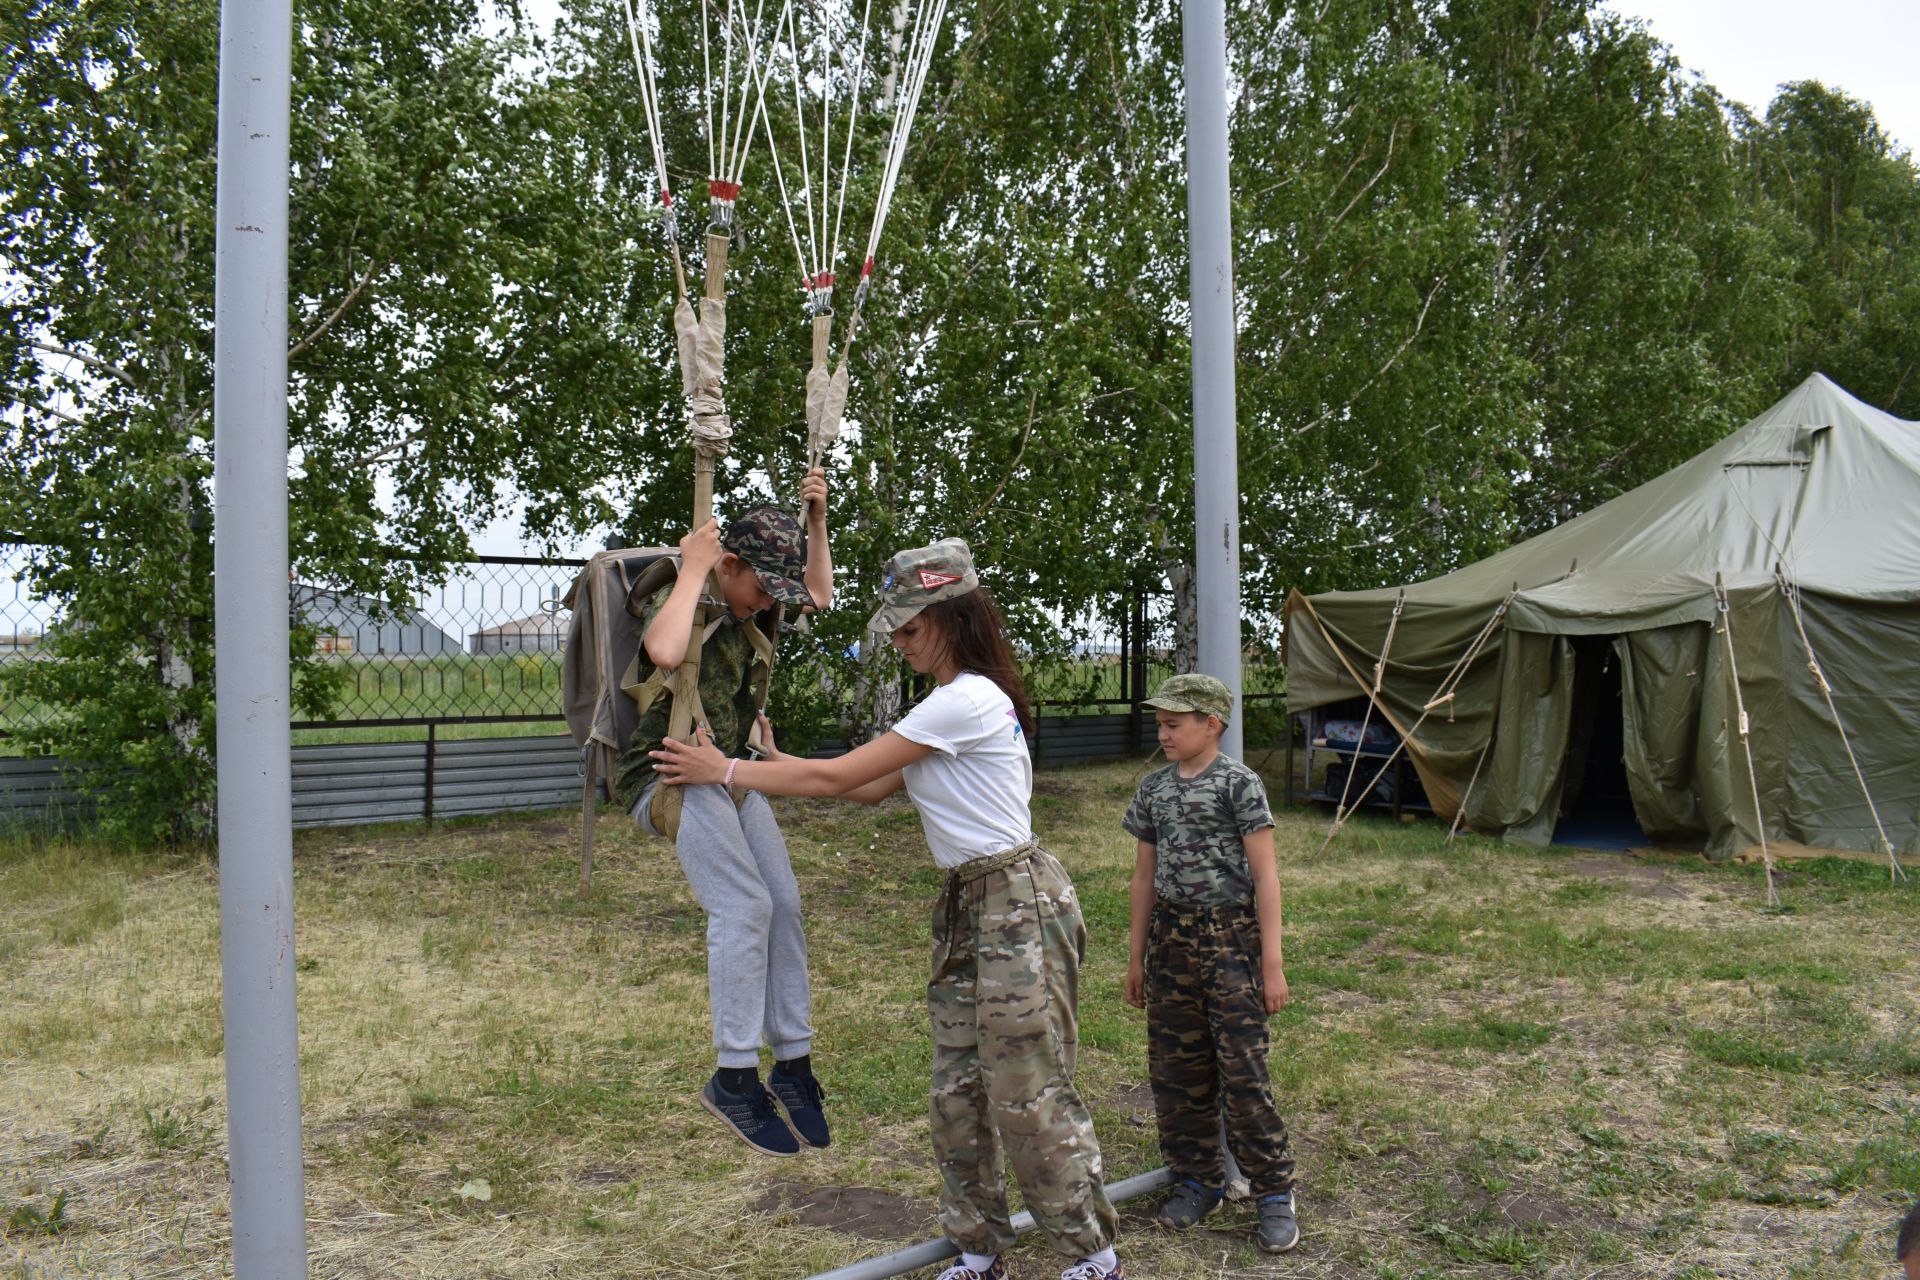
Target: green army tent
1772	582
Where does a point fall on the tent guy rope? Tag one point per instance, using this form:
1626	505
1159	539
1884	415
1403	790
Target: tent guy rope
1744	725
1442	696
1792	594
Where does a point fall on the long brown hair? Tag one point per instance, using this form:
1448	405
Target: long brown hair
976	639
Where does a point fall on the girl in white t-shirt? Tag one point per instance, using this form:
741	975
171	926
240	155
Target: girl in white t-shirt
1007	934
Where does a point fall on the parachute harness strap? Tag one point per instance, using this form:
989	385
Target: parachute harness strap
1792	593
1442	696
1725	628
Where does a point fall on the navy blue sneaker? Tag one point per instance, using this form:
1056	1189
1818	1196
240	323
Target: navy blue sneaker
800	1097
752	1117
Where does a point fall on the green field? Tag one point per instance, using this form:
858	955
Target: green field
1498	1061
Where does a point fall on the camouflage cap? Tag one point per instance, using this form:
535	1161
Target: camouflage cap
772	542
917	578
1194	692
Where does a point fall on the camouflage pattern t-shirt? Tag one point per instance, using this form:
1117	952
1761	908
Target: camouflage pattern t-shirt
726	693
1198	826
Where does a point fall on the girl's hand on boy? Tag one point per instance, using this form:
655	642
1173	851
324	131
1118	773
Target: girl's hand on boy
701	550
772	749
1137	986
689	763
813	495
1274	979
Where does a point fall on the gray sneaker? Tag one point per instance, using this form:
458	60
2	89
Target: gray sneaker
1189	1203
1279	1230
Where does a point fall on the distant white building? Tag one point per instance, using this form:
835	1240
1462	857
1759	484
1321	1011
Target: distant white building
538	633
347	626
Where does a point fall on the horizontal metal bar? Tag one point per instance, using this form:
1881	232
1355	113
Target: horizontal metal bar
931	1252
398	722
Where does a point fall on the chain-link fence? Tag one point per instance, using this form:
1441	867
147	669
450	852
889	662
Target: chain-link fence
485	648
24	623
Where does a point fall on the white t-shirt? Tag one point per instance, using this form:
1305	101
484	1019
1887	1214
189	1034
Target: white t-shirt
975	790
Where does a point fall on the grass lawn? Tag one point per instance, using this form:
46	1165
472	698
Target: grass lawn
1497	1062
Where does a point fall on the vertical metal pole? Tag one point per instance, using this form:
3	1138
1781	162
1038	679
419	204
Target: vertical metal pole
250	655
1216	469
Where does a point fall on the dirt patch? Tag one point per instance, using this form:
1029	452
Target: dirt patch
604	1177
1134	1101
1641	879
865	1212
1529	1209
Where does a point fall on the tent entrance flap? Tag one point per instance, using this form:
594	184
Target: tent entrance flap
1596	802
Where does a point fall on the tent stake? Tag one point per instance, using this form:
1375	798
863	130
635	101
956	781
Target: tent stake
931	1252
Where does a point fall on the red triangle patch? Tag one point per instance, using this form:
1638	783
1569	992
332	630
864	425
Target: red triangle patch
931	580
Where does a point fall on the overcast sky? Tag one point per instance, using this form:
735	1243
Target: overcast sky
1744	48
1748	48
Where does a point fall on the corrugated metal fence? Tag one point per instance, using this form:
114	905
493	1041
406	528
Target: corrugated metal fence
353	783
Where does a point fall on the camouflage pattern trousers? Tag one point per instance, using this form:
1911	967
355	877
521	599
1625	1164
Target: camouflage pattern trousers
1007	948
1207	1047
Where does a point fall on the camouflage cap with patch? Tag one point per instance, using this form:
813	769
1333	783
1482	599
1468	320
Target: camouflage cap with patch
1194	692
920	577
774	545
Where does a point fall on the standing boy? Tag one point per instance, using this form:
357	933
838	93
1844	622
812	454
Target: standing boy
1206	962
729	846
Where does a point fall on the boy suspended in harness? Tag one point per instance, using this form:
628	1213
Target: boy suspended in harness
1206	962
728	843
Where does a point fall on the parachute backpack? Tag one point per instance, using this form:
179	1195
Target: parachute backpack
608	599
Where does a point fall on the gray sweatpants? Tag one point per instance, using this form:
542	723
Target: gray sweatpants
736	863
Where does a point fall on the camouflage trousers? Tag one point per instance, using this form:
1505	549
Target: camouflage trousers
1007	948
1207	1047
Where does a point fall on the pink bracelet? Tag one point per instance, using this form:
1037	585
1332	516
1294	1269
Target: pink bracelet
731	766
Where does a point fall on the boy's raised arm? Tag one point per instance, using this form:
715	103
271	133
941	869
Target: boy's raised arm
819	579
669	630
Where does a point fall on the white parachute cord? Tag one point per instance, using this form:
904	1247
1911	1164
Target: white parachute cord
853	115
644	70
926	36
826	136
800	130
706	90
753	95
780	178
903	70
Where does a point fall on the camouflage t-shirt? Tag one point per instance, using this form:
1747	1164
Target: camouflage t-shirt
726	693
1198	826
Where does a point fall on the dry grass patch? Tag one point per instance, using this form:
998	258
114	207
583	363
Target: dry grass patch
1498	1062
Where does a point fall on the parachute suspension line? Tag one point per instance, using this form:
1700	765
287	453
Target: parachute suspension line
739	136
779	172
1442	696
706	87
853	114
1373	700
905	94
1744	724
1792	593
826	154
638	40
813	267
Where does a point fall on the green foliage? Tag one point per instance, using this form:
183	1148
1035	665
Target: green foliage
28	1219
1495	263
459	335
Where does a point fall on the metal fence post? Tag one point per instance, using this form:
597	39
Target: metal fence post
427	802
